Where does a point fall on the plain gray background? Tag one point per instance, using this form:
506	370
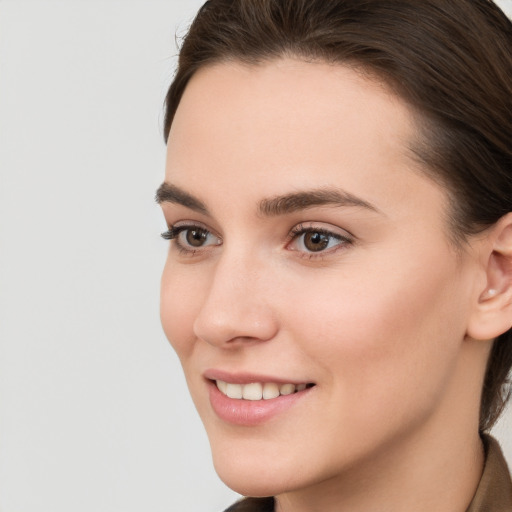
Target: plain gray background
94	412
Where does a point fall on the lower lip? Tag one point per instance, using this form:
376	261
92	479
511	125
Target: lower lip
251	412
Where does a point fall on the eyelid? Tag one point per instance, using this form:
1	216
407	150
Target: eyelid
321	227
176	228
344	237
174	231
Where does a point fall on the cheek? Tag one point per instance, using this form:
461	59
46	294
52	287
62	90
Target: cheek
179	305
382	336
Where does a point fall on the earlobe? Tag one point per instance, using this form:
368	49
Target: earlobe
492	314
488	294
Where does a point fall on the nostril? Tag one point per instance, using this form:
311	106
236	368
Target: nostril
238	324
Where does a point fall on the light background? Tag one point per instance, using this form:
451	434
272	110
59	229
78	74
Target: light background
94	412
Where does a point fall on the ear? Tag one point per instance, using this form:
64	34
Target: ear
492	314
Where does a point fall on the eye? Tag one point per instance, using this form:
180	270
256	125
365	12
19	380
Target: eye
311	240
190	238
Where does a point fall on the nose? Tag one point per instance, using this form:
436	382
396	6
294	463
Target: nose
237	306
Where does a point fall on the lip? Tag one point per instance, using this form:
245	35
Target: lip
247	378
249	413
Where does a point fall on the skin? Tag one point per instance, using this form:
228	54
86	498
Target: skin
380	323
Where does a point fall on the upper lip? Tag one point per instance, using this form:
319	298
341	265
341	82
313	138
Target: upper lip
248	377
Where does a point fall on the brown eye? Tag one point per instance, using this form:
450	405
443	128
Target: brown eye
196	237
315	241
192	238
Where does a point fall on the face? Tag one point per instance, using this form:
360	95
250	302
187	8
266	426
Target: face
310	275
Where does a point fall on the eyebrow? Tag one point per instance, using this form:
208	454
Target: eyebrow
274	206
295	201
168	193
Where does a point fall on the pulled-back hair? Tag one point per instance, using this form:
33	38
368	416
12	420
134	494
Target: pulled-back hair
450	60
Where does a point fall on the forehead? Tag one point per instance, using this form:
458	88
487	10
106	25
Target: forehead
295	98
287	121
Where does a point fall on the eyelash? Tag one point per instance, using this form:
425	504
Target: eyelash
173	234
302	229
174	231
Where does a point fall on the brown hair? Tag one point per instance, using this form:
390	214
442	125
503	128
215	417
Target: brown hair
450	60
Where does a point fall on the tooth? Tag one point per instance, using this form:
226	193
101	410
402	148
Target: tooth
256	391
234	390
253	391
270	390
221	385
287	389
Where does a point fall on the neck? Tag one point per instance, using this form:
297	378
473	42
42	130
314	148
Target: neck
416	476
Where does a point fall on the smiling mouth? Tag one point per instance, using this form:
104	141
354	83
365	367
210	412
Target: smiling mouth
255	391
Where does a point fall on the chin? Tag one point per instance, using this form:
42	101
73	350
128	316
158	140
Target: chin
248	473
251	486
258	483
260	470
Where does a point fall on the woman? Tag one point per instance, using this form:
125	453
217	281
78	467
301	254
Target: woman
338	288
